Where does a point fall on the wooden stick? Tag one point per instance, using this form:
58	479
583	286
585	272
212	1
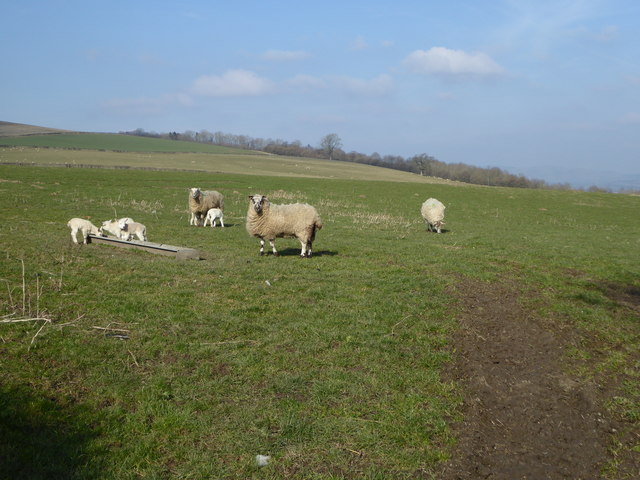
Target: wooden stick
134	358
37	333
24	290
17	320
111	329
231	342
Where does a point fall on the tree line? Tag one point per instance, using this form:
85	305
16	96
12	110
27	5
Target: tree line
330	147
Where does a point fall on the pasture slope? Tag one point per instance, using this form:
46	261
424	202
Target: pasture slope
504	348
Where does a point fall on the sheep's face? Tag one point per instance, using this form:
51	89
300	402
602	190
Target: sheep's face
195	193
258	202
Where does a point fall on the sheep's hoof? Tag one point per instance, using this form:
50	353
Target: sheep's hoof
276	254
261	254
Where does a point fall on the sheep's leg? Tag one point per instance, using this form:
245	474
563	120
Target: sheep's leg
85	234
273	247
262	246
308	249
304	252
73	235
221	222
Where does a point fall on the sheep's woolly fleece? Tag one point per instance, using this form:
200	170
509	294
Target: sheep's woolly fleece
270	221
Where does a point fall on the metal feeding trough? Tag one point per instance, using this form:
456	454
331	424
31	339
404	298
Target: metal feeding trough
180	253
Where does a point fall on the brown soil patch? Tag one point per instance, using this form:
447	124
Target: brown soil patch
523	417
8	129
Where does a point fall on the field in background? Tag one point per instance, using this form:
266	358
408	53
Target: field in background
124	151
268	165
143	366
118	143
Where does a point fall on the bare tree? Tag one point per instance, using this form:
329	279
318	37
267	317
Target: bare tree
423	163
329	143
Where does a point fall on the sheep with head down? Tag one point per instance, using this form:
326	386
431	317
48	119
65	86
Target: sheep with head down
115	227
433	213
83	226
269	221
200	202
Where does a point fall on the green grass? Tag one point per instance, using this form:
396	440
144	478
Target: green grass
334	367
116	142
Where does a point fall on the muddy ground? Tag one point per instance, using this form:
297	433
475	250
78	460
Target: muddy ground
524	417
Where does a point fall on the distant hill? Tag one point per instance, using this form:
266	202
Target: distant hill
18	135
9	129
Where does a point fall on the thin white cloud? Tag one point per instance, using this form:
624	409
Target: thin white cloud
380	85
359	43
445	61
232	83
446	96
147	105
607	34
193	16
539	26
308	82
285	55
632	118
92	54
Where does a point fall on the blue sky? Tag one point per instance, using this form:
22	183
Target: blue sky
550	89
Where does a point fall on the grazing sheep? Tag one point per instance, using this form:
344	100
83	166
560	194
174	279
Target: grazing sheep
212	214
433	213
115	227
200	202
85	226
129	229
270	221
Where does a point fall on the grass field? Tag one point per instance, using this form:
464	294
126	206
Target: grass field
140	366
234	163
115	142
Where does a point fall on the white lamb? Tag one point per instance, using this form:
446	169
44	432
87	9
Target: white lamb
131	229
212	214
115	227
85	226
433	213
266	220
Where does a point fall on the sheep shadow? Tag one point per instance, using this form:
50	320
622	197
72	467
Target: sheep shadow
41	439
295	252
218	226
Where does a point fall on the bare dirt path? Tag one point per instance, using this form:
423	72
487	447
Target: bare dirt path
524	418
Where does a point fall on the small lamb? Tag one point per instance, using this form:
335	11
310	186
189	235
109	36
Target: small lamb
114	227
212	214
85	226
131	229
